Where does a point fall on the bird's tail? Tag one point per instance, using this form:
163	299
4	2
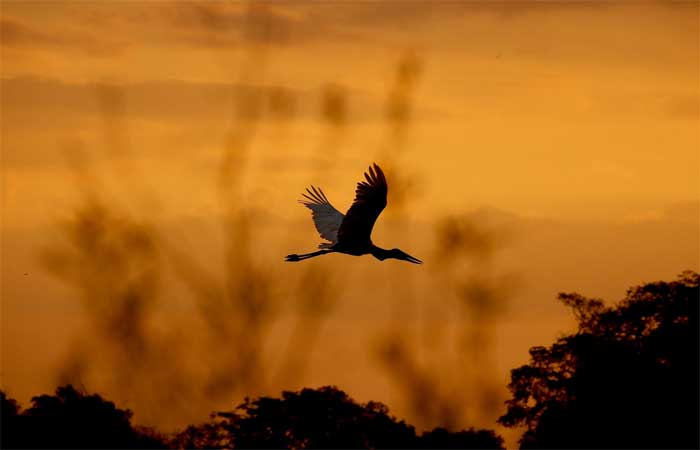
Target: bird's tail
326	245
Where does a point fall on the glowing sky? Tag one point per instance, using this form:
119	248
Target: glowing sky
579	119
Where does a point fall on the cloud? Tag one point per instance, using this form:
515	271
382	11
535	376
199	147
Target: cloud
211	24
684	106
403	12
41	112
33	98
18	34
15	32
249	25
227	24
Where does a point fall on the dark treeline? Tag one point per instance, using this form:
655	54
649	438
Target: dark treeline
627	378
310	418
71	419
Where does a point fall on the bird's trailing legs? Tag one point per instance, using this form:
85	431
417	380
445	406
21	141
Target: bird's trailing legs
295	257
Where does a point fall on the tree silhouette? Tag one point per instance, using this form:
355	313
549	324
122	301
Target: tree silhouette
320	418
441	438
627	379
11	423
71	419
310	418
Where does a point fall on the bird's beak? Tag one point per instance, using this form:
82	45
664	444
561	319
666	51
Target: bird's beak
410	258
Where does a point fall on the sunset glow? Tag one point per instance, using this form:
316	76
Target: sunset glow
530	148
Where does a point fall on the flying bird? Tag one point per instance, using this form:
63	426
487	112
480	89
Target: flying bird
350	233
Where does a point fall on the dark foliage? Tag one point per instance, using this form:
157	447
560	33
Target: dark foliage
71	419
9	421
321	418
441	438
627	379
310	418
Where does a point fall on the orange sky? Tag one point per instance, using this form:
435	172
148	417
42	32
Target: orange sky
575	123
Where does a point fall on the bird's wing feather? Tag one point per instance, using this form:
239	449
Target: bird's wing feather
327	219
370	200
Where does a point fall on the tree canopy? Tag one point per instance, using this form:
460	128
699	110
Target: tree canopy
71	419
628	378
311	418
321	418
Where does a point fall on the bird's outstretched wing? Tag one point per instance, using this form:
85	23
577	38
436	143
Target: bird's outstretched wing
370	200
327	219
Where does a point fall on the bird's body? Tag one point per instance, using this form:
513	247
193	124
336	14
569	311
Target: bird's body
350	233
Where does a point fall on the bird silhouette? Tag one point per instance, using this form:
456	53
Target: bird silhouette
350	233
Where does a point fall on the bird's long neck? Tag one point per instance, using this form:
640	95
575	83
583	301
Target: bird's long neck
379	253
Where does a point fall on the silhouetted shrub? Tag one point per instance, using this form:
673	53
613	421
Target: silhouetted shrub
71	419
320	418
11	425
441	438
627	379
